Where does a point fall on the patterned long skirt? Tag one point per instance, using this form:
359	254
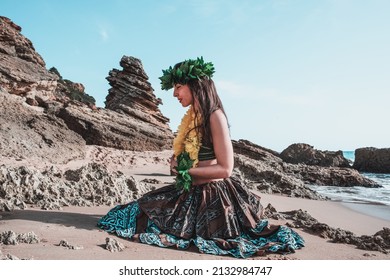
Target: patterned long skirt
221	218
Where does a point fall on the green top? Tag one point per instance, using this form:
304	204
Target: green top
206	153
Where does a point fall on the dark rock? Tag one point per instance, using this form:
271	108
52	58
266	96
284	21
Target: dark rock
372	160
66	244
306	154
264	170
32	102
270	212
254	151
380	241
151	181
329	176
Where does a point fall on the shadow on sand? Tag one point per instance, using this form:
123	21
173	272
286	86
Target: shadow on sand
68	219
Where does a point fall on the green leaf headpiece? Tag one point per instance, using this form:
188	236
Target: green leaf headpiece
184	71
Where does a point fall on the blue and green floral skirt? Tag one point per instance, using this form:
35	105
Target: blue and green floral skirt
221	218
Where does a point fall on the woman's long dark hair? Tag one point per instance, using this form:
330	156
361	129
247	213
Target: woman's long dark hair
206	101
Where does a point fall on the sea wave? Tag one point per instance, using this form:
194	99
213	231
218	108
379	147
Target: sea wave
358	193
350	155
355	194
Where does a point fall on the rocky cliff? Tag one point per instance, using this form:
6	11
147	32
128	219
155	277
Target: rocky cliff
26	132
132	119
22	69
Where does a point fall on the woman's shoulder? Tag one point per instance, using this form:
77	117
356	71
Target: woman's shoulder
218	116
217	113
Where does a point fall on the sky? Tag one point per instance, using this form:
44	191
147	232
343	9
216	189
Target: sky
287	71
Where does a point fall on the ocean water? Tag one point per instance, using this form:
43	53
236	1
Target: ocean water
371	197
349	155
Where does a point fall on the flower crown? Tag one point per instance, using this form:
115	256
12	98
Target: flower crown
185	71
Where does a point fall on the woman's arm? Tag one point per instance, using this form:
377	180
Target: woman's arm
223	150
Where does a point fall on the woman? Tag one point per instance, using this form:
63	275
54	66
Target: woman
205	207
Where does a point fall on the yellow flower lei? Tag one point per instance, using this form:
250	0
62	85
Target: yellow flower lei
187	138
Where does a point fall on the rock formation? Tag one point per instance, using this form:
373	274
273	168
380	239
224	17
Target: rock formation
263	170
131	121
23	72
53	189
306	154
111	129
372	160
28	133
12	238
132	94
266	171
113	245
67	90
380	241
22	69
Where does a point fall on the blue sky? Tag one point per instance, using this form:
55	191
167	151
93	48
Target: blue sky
287	71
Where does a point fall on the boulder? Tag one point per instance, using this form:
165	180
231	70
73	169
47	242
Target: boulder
263	169
372	159
329	176
306	154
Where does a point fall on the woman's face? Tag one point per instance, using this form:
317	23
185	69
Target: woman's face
183	94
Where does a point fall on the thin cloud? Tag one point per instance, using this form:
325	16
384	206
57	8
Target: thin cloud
104	34
103	31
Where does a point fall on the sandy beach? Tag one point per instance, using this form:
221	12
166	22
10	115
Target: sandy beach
77	225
